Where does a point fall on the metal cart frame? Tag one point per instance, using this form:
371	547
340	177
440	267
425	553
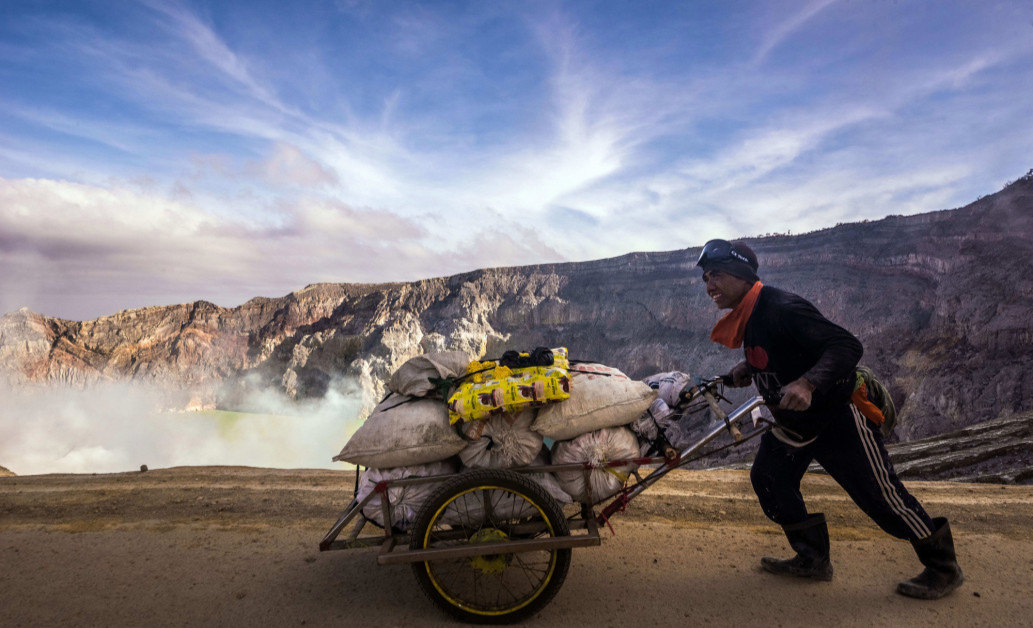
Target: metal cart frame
582	528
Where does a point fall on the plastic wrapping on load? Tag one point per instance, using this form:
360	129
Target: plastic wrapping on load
669	386
597	448
501	441
403	431
677	430
491	388
413	377
661	420
651	425
600	397
405	500
484	371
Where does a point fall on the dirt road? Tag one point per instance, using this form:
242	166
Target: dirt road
229	546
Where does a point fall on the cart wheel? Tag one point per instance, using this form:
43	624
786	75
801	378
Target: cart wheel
490	506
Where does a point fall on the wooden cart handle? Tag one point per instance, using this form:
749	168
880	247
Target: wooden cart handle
716	409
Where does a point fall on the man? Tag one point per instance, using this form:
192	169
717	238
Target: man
803	365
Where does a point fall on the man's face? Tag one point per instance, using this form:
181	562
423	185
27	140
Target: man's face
726	290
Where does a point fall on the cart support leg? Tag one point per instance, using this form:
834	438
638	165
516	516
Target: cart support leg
349	513
385	507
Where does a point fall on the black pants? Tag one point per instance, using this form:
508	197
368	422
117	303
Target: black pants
850	448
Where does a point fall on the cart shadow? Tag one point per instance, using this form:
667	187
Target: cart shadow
351	586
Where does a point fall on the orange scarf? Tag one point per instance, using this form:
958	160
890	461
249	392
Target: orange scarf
730	330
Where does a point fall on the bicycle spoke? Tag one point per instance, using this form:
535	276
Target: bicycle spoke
527	572
486	505
490	514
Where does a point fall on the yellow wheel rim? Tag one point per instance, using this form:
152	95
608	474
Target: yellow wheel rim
492	565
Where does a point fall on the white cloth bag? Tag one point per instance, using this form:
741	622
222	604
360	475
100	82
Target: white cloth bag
600	396
403	431
597	448
405	500
501	441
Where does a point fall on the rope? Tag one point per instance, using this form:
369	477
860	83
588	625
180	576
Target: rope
400	403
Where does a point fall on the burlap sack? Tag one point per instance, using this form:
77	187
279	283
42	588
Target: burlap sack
403	431
600	397
413	377
599	447
405	501
501	441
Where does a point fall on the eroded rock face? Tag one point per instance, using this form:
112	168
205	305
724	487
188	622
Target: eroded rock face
5	472
942	302
997	451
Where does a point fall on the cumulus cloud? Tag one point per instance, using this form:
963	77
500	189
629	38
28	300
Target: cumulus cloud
495	135
72	250
288	165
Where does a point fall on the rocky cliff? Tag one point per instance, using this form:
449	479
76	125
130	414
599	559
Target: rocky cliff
942	302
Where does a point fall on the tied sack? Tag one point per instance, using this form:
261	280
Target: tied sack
413	378
490	388
405	501
597	448
661	424
548	480
501	441
600	396
403	431
670	386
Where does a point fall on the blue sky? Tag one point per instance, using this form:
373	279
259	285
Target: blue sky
160	152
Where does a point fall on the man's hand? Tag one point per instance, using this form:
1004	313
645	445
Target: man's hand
796	395
741	375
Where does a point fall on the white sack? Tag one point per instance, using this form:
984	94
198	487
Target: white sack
501	441
598	447
669	385
413	377
548	480
405	500
403	431
661	417
470	508
600	397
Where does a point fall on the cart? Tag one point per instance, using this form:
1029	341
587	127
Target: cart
491	546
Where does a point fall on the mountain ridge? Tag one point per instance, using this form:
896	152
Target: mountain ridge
940	300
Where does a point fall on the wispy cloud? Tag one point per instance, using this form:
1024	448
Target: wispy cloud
288	165
210	48
360	142
787	27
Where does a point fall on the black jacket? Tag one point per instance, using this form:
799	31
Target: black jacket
787	338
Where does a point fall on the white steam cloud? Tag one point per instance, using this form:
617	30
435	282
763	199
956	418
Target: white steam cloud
118	427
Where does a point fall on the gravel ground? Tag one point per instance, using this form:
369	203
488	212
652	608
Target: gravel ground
228	546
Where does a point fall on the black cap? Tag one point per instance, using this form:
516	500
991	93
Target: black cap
735	258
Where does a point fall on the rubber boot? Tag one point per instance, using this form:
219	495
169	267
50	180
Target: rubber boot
810	539
942	573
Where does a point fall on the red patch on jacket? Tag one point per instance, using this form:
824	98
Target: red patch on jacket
757	357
